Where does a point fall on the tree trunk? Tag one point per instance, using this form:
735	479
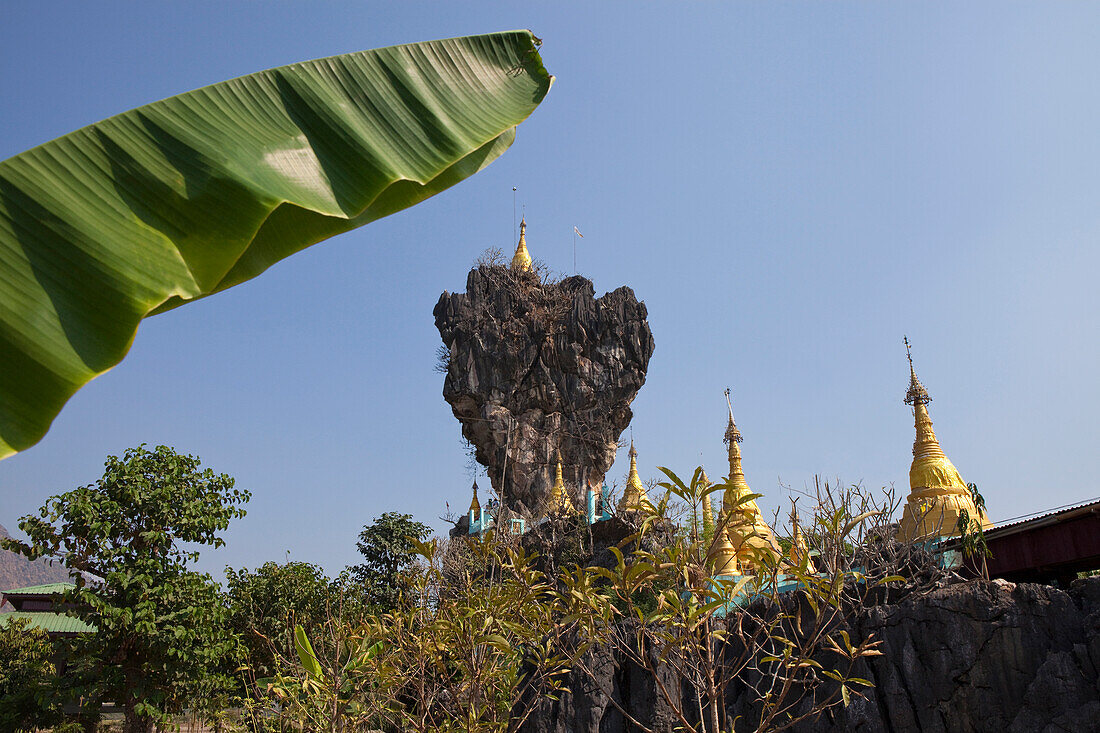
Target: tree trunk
136	723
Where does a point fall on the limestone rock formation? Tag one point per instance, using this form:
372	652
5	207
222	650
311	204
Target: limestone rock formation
536	367
971	657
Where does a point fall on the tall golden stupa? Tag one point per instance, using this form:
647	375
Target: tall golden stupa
634	495
521	260
745	525
937	495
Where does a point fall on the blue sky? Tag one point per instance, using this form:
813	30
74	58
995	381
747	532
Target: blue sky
789	187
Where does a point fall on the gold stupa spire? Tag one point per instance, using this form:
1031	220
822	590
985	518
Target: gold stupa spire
559	496
475	505
937	495
521	260
747	529
634	496
708	507
798	550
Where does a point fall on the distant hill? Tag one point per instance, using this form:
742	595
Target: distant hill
16	571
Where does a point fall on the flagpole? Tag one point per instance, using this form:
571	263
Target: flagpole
574	250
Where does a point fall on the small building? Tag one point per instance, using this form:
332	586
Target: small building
43	607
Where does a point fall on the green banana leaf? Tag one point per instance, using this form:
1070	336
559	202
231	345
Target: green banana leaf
306	655
181	198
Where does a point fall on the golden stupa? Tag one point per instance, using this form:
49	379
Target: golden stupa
521	260
559	496
708	508
475	505
722	557
937	495
799	550
634	496
750	534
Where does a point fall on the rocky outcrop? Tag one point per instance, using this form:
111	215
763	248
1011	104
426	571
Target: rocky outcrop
533	368
967	657
983	656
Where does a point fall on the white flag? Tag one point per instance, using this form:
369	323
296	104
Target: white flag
578	232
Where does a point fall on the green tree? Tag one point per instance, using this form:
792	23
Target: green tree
161	629
28	690
388	547
265	604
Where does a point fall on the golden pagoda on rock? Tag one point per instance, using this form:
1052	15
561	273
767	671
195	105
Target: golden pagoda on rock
750	534
937	495
559	496
521	260
634	495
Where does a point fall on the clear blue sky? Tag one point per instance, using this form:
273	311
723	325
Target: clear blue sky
789	187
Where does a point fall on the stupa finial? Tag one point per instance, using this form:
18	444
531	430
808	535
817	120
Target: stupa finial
521	260
733	435
916	393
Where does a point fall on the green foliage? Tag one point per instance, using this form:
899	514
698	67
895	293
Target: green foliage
785	654
972	534
28	685
193	194
162	630
388	547
267	603
467	652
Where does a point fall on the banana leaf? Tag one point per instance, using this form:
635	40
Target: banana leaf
176	200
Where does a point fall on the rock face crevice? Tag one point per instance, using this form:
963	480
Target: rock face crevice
536	367
970	657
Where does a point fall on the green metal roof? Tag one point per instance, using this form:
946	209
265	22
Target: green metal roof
54	623
49	589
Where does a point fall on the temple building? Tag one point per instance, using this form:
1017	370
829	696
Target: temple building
745	525
937	495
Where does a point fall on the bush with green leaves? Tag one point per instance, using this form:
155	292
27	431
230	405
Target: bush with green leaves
465	652
267	603
29	695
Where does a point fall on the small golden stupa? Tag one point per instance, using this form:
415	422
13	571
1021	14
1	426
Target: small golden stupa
559	496
708	508
722	558
937	495
747	530
798	550
634	495
475	505
521	260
